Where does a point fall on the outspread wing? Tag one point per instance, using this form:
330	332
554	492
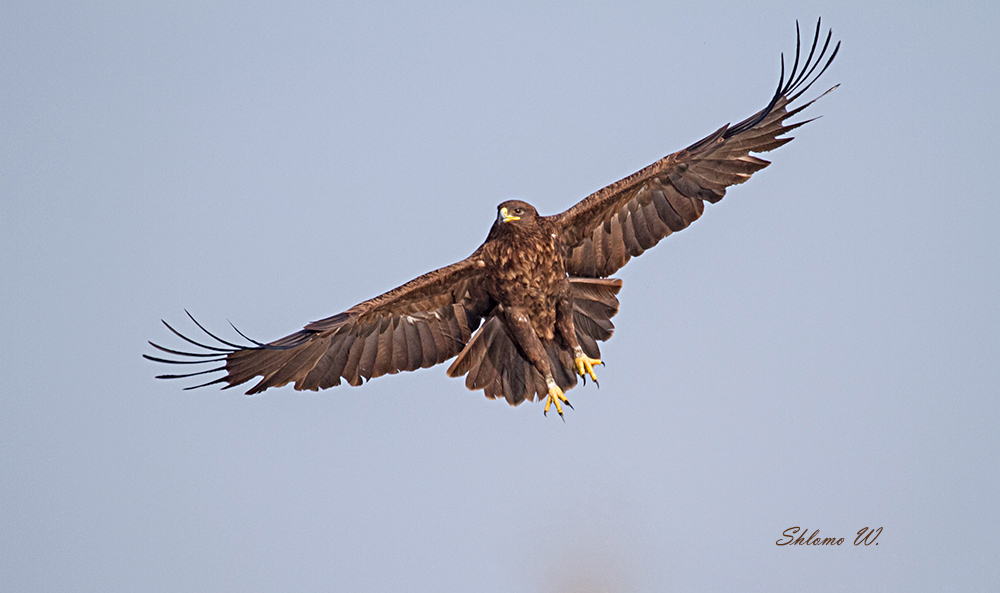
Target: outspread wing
621	221
417	325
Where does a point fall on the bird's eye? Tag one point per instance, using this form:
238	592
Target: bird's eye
518	211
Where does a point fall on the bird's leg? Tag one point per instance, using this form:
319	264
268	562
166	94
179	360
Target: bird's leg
519	324
564	324
556	396
585	364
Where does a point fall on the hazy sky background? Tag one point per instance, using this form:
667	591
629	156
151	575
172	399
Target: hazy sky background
819	350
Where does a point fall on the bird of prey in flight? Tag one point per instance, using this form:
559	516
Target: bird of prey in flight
522	315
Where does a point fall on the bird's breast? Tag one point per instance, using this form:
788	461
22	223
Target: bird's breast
528	275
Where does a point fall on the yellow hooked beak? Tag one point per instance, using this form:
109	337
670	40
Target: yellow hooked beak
507	217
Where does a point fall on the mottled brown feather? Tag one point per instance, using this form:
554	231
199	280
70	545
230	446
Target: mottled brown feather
419	324
538	282
606	229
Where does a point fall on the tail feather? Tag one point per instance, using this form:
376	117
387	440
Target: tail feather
493	362
595	302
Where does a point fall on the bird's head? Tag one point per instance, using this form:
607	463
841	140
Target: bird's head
516	212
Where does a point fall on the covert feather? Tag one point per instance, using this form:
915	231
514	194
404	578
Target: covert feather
522	315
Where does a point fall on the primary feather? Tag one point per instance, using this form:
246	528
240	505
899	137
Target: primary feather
534	299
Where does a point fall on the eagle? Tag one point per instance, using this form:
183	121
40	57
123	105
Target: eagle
522	316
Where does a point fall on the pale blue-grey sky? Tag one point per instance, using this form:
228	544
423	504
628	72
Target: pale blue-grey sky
819	350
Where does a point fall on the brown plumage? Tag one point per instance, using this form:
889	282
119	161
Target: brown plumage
525	311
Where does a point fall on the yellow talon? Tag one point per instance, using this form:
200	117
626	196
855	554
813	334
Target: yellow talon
585	366
556	396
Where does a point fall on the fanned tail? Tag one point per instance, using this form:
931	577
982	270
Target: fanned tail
493	362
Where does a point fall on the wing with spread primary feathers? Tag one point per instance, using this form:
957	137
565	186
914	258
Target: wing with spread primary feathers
422	323
621	221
